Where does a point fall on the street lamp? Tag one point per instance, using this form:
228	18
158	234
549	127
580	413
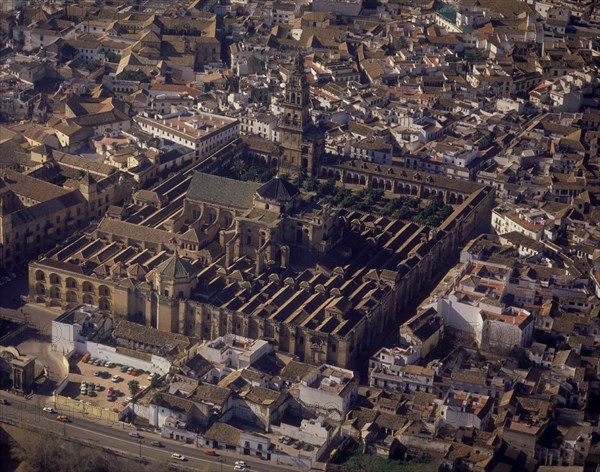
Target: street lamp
140	441
221	461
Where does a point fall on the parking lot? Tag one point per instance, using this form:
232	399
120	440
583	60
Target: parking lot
104	382
291	446
12	286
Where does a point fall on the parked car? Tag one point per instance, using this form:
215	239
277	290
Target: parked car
129	370
135	434
134	372
307	447
178	456
117	378
156	443
124	368
48	409
109	364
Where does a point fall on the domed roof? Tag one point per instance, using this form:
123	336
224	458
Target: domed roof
176	268
277	189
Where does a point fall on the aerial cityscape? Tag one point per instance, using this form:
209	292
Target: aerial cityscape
300	235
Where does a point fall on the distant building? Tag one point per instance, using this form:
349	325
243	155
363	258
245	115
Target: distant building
231	352
34	217
372	150
329	390
466	410
202	132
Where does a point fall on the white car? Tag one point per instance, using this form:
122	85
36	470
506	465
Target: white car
116	378
49	409
135	434
177	456
240	468
241	463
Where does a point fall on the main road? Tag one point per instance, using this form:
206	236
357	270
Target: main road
116	438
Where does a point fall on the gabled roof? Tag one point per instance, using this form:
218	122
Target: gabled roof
222	191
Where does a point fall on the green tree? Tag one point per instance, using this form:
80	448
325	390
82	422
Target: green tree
133	385
93	65
112	57
155	382
299	175
137	75
240	168
311	184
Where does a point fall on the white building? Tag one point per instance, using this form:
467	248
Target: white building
466	410
260	124
313	431
536	224
488	323
330	390
202	132
72	329
372	150
231	352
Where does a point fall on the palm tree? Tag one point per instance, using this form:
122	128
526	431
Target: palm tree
133	385
239	166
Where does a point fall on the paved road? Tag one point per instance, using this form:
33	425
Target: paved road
116	437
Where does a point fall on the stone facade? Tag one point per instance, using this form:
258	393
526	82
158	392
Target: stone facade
301	142
257	261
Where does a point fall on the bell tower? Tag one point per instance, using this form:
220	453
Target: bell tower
299	148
